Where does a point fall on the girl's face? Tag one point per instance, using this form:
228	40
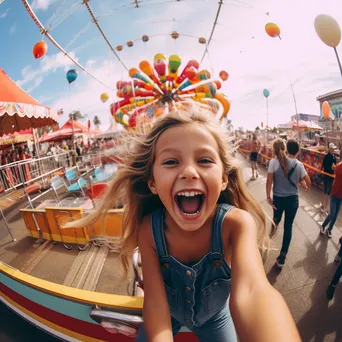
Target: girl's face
188	174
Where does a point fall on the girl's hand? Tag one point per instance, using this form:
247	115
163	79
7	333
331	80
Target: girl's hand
270	202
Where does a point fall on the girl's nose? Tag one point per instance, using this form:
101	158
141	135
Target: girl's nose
189	172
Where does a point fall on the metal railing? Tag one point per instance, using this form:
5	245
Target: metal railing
21	173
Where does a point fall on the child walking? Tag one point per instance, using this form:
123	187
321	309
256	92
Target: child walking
187	209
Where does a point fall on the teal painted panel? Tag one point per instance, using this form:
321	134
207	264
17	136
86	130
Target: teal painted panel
63	306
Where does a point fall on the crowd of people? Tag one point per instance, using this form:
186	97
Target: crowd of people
285	174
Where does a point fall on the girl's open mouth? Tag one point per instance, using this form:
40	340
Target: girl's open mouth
190	202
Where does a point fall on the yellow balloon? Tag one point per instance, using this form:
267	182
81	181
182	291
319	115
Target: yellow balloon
104	97
328	30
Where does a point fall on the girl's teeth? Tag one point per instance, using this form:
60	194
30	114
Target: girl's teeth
193	214
189	193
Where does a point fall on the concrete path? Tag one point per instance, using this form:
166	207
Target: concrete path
309	266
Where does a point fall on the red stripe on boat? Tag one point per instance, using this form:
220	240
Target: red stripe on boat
74	324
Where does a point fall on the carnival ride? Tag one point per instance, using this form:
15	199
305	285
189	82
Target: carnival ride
71	313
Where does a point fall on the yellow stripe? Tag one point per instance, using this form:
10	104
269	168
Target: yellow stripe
50	324
83	296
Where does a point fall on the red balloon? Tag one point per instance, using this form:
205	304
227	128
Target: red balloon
40	49
224	75
218	84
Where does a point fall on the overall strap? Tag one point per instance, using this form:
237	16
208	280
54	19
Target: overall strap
157	227
216	234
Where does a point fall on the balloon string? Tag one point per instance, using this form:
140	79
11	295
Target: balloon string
210	62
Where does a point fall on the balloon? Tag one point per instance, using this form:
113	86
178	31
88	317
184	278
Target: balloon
104	97
223	75
272	30
119	47
328	30
174	34
71	75
40	49
202	40
130	43
145	38
266	93
326	109
218	84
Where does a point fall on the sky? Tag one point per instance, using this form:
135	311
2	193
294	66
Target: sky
239	45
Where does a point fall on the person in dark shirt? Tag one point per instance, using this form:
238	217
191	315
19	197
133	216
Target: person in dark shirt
327	166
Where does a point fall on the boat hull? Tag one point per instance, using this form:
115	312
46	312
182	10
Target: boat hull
64	312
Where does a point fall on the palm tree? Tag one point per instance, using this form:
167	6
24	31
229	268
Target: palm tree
76	115
97	122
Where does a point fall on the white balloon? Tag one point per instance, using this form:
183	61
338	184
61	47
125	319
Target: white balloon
328	30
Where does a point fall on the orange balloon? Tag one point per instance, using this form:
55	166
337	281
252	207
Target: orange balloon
272	30
326	109
224	75
40	49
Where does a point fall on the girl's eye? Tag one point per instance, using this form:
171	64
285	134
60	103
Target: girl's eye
205	161
170	162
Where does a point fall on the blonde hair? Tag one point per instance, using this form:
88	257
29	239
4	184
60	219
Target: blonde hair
130	185
279	150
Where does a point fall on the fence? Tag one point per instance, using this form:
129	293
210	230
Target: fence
23	172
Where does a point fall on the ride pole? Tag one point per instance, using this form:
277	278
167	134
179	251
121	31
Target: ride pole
266	121
295	104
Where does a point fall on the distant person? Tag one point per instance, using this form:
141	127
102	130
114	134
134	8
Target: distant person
255	148
284	174
337	275
335	200
327	166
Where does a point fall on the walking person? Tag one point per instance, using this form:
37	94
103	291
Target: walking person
335	200
284	174
255	149
337	275
327	166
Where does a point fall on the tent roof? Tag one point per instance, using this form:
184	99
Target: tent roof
77	126
11	92
19	110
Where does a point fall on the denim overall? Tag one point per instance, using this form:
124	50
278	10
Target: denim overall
197	294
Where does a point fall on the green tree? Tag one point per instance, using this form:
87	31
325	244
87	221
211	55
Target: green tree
76	115
257	128
97	121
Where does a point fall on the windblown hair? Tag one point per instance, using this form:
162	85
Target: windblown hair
279	149
130	185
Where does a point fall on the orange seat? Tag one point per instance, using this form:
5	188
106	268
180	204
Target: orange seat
108	226
35	221
33	188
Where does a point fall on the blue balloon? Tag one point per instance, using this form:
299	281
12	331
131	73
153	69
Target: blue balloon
71	75
266	93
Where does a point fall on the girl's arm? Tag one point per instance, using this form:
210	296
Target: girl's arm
156	311
259	312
